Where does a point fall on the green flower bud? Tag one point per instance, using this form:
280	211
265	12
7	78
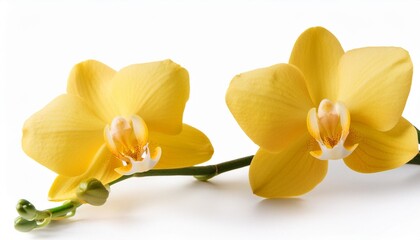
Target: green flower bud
93	192
24	225
26	210
204	178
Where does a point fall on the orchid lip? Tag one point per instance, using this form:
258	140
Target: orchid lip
329	125
127	139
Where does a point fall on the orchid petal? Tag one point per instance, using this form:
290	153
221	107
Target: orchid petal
374	85
91	80
317	53
289	172
157	92
270	105
188	148
103	169
64	136
380	151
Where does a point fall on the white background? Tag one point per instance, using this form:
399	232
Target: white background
213	40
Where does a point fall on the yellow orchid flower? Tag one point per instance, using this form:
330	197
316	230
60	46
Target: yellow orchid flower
326	104
113	123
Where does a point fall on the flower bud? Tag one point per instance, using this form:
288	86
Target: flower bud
23	225
93	192
26	210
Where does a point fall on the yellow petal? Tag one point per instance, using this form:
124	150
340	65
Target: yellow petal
156	91
316	53
102	168
380	151
64	136
188	148
374	85
270	105
290	172
91	81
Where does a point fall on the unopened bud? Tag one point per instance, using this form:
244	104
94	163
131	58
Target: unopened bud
24	225
93	192
26	210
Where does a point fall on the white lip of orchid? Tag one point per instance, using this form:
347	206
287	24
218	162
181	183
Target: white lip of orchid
144	165
330	126
127	139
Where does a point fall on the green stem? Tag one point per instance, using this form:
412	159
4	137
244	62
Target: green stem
202	173
415	160
31	218
63	210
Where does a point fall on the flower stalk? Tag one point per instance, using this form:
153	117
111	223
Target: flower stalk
202	173
30	218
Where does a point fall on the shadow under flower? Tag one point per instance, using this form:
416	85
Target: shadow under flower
55	228
350	183
151	192
281	205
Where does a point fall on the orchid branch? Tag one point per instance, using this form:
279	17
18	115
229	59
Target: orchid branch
30	218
